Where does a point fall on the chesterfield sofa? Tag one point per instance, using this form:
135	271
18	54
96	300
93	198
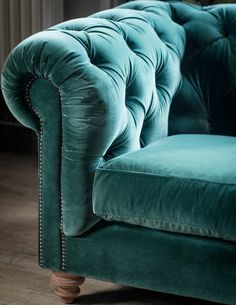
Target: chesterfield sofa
135	113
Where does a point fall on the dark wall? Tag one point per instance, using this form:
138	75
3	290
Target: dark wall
82	8
77	8
13	136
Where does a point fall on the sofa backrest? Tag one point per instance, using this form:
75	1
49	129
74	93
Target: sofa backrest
206	99
98	87
153	47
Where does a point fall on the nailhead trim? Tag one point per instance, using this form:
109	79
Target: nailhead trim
28	85
63	244
63	239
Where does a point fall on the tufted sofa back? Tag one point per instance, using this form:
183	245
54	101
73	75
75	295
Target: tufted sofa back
206	102
140	49
206	97
98	87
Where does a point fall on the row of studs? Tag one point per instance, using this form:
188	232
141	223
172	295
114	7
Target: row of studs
40	172
63	246
63	240
63	243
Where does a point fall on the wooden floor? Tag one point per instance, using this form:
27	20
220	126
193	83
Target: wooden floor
22	282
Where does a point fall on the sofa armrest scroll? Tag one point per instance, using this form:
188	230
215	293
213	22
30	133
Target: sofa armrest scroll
51	86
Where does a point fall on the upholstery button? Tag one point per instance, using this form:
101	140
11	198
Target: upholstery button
225	32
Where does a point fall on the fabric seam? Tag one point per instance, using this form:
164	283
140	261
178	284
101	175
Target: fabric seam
167	223
148	175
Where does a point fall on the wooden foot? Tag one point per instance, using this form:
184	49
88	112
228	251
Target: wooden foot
66	286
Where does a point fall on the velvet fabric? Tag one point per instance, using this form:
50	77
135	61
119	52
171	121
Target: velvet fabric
117	74
50	239
96	88
183	183
207	90
174	263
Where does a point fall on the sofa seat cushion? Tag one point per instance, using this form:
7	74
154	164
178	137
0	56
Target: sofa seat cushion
182	183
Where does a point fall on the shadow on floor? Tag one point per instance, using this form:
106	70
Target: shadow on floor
129	294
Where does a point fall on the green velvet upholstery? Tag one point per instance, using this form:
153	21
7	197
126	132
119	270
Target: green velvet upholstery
183	183
99	87
168	262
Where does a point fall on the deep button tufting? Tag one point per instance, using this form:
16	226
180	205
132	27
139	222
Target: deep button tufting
118	73
226	33
130	44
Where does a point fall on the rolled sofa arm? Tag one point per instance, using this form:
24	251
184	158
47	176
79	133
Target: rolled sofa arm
92	89
51	86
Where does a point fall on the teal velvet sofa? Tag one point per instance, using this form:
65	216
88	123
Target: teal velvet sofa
134	109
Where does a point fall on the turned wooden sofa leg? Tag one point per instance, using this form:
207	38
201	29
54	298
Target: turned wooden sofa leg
66	286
